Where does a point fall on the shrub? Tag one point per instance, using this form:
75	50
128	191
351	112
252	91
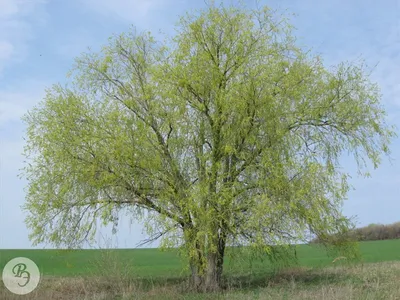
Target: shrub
372	232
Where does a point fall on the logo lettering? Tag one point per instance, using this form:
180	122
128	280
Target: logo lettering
21	276
19	271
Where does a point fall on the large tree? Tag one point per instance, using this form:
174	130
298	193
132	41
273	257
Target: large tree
226	134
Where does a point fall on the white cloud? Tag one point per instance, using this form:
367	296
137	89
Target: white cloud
10	111
128	10
6	50
16	19
8	7
15	102
75	44
349	30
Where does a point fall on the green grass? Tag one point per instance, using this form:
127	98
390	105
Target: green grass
154	263
127	274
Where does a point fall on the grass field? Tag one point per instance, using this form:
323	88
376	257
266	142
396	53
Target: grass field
151	274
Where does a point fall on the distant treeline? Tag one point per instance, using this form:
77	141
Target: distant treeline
372	232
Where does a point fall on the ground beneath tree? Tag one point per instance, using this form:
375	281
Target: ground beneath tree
360	281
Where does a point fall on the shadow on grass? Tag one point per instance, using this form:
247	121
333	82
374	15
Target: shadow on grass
302	276
305	277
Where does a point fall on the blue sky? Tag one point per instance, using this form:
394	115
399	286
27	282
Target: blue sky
40	38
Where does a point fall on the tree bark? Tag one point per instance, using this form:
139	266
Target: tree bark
215	262
206	268
196	279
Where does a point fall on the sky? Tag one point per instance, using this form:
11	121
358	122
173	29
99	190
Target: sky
39	40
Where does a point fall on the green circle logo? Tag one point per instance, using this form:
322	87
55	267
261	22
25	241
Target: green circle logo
21	276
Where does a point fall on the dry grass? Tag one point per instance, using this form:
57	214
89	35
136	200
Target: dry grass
371	281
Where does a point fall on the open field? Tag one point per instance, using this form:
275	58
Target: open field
151	274
152	263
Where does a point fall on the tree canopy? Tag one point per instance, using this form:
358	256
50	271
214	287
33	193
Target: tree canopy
227	134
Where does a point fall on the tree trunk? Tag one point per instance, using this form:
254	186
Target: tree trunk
206	268
196	278
215	262
213	274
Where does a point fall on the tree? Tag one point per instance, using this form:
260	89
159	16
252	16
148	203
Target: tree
228	134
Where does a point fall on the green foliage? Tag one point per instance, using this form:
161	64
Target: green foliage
229	134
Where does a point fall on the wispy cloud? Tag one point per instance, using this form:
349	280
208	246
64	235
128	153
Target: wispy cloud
16	19
15	101
74	44
350	30
6	50
128	10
